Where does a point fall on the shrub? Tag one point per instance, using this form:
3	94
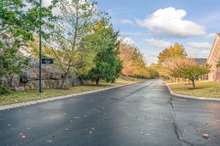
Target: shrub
4	90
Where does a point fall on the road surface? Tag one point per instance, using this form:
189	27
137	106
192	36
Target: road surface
143	114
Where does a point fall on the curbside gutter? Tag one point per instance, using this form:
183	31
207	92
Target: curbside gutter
29	103
190	97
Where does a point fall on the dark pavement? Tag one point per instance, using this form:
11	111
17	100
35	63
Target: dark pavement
143	114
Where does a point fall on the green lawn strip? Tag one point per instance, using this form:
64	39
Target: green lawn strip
31	95
204	89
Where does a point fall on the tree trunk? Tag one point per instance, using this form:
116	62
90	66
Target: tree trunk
10	81
193	84
81	80
63	81
97	81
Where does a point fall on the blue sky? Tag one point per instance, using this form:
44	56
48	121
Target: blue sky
154	24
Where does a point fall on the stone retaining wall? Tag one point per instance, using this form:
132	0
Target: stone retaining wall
52	77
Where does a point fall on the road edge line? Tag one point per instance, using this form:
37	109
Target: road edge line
190	97
50	99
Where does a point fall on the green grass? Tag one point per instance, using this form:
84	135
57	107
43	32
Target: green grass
30	95
23	96
203	89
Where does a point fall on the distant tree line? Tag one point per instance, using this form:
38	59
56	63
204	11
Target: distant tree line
134	64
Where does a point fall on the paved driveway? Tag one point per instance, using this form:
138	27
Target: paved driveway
143	114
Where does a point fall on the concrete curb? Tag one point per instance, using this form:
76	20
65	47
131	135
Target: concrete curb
29	103
190	97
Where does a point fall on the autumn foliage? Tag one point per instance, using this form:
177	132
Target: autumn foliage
175	51
174	64
186	68
133	62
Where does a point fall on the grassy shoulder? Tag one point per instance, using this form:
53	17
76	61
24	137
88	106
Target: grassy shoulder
203	89
31	95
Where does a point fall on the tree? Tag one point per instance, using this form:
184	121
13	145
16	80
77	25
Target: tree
132	61
193	72
76	18
107	63
11	64
153	71
188	69
12	23
170	67
126	56
174	51
18	22
139	65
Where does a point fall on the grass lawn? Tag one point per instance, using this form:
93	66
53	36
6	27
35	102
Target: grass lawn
203	89
30	95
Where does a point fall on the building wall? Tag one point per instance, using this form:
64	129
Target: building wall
213	59
218	75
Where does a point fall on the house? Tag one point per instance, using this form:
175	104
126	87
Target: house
213	59
200	61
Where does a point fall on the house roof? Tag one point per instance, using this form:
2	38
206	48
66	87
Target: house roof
199	60
213	48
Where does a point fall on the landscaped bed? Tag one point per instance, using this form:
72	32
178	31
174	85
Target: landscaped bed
203	89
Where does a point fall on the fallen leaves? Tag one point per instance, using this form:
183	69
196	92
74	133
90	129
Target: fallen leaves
205	135
22	135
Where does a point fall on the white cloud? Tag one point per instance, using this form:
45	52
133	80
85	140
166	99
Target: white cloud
157	43
170	21
127	40
133	34
125	21
46	3
199	45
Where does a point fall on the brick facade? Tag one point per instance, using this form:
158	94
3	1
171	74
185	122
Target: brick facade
213	59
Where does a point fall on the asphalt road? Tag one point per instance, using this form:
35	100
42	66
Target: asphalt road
143	114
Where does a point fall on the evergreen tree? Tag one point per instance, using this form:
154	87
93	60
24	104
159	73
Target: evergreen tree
107	63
